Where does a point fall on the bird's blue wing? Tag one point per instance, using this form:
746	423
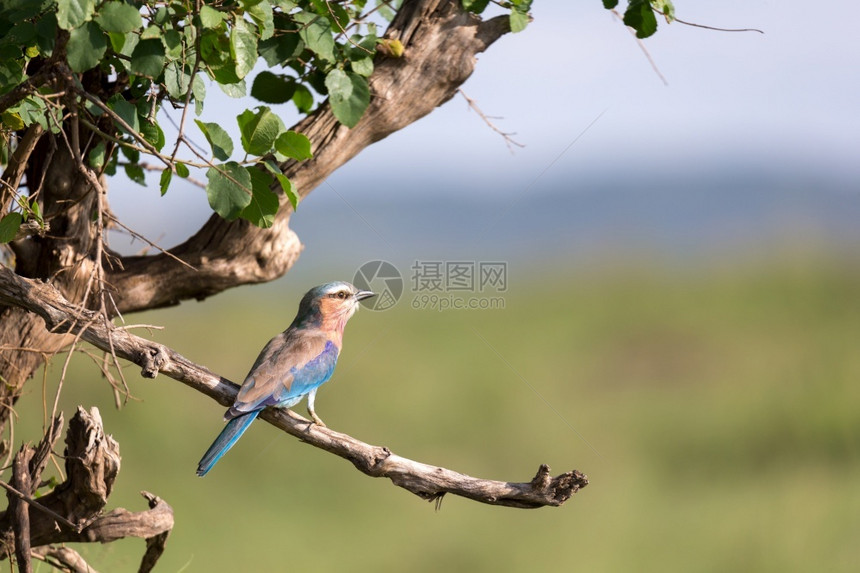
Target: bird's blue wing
290	366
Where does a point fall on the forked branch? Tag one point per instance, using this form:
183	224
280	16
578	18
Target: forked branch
426	481
73	510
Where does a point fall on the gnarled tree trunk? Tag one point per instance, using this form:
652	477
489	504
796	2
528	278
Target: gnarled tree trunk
441	41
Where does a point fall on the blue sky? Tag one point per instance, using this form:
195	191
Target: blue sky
581	96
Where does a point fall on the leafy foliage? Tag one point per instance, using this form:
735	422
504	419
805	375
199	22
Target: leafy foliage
130	58
117	64
641	15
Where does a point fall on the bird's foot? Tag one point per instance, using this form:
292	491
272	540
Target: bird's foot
317	420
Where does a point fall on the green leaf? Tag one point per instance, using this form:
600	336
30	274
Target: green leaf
11	120
303	98
476	6
129	44
286	184
135	173
36	213
32	110
610	4
519	20
117	41
176	80
295	145
316	33
182	169
641	18
243	47
259	130
286	45
11	70
161	16
273	88
96	156
147	59
126	111
666	8
234	89
363	66
262	15
46	33
219	140
210	17
198	88
151	132
151	33
264	203
9	226
229	189
164	181
173	43
72	13
86	48
349	96
133	155
119	17
21	34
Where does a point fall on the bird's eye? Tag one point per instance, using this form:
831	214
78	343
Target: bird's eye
342	294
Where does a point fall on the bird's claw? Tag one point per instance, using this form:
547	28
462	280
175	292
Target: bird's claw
318	421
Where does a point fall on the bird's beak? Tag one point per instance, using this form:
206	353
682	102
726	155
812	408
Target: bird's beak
363	294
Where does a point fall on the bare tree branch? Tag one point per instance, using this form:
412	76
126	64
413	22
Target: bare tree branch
63	558
441	42
21	511
14	170
427	481
507	136
73	511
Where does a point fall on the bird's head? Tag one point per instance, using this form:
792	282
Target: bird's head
329	306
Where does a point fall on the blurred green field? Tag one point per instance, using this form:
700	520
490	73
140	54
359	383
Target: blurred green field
716	413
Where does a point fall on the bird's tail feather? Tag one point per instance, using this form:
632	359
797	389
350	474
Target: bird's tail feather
225	440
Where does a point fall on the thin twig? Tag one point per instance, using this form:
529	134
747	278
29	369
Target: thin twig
715	28
36	505
642	47
509	141
149	167
194	70
150	243
150	148
342	31
14	170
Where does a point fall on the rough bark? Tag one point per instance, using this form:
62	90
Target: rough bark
63	559
73	511
441	41
53	295
64	256
427	481
20	511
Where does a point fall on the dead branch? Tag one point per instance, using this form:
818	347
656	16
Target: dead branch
63	558
20	510
426	481
507	136
73	511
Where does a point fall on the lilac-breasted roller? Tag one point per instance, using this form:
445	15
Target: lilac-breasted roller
294	364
